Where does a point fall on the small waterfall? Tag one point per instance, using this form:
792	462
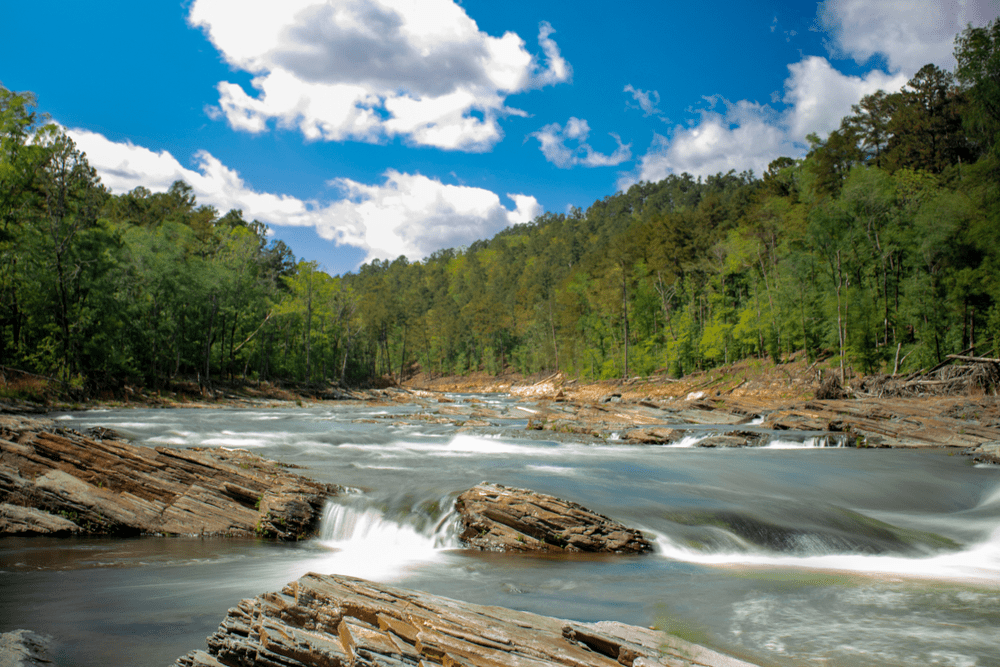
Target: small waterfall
375	543
812	442
346	525
691	440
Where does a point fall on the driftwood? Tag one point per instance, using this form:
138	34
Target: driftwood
979	374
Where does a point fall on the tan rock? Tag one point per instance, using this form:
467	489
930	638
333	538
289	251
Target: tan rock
500	518
336	621
103	485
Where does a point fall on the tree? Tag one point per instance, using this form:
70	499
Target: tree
926	125
68	200
977	51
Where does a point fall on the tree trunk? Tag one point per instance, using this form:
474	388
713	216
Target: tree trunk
208	342
625	318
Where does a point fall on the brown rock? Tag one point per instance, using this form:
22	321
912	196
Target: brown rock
15	520
724	441
109	486
500	518
336	621
654	436
988	452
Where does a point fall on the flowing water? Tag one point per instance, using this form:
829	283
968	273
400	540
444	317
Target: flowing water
790	554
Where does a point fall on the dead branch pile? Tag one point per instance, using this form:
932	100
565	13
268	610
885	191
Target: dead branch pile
977	374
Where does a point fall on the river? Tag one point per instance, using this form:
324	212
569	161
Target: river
784	555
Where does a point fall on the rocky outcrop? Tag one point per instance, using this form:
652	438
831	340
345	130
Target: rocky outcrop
499	518
988	452
336	621
16	520
54	479
23	648
654	435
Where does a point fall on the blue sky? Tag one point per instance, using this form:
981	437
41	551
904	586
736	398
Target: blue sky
373	128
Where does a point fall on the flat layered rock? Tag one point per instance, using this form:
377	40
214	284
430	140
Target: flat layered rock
501	518
55	480
725	441
336	621
988	452
655	435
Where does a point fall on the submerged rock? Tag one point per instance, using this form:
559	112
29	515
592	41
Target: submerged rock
339	621
501	518
802	529
55	480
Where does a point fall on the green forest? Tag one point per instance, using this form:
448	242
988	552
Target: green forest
880	249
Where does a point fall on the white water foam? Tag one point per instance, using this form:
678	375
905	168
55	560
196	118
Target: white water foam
555	470
979	563
690	440
807	443
367	544
460	445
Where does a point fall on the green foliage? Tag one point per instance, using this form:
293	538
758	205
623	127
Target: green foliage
884	237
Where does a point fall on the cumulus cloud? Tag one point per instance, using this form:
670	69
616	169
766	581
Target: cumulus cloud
909	33
748	135
406	214
567	146
819	96
647	101
373	70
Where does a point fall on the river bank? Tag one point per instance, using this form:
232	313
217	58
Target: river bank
756	394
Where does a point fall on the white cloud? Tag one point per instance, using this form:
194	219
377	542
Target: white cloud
407	214
746	136
750	135
819	96
553	139
910	33
372	70
412	215
647	101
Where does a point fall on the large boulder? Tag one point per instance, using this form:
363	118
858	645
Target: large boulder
337	621
500	518
57	481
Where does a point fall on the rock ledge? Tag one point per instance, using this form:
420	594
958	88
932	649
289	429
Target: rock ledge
59	481
337	621
501	518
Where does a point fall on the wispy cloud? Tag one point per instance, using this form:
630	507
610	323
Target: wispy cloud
648	101
567	146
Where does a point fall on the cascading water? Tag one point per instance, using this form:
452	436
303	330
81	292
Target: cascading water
812	555
372	543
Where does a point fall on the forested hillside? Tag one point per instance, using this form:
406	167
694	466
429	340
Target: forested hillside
880	247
